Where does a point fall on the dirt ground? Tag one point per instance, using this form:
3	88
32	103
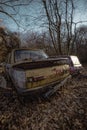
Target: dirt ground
66	110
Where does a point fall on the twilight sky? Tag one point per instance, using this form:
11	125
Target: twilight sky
34	10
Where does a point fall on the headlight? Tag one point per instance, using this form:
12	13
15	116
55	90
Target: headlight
19	78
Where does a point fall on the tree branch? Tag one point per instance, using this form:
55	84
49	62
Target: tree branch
9	16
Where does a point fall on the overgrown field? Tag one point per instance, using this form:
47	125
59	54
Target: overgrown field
66	110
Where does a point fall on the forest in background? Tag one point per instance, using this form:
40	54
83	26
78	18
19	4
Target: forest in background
11	40
62	35
67	108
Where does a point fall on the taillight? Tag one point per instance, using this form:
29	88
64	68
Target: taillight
35	79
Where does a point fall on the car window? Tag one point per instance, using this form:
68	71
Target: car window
21	55
75	60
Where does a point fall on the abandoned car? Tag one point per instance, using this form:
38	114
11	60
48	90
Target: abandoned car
32	70
74	63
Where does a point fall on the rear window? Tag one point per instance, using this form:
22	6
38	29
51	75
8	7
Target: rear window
75	60
21	55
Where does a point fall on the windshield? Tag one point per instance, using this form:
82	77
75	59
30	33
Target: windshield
31	55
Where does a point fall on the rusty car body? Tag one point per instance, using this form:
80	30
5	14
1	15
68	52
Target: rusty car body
31	70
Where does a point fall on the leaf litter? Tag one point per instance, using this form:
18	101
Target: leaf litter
65	110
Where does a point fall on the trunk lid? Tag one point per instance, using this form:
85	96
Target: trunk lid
43	73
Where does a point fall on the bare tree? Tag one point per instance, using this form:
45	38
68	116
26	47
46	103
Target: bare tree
59	12
69	7
11	8
76	35
54	22
81	42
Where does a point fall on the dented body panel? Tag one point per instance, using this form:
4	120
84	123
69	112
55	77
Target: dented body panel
32	70
41	77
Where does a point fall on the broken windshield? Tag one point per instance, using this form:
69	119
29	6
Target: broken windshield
32	55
